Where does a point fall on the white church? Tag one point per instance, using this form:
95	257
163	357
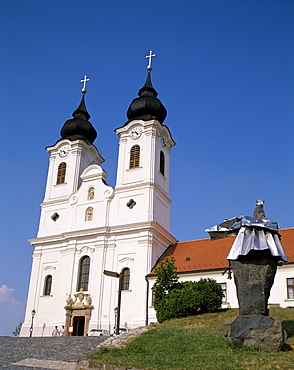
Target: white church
87	227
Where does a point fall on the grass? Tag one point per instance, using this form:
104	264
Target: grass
195	343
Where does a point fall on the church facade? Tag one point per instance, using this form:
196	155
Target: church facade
87	226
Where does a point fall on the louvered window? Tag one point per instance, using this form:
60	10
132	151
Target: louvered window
61	173
125	279
84	273
135	156
48	285
161	162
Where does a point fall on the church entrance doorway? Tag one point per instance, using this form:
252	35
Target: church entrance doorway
78	325
78	313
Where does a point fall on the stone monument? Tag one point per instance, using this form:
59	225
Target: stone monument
254	257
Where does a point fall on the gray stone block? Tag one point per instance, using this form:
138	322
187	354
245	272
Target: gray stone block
254	276
256	331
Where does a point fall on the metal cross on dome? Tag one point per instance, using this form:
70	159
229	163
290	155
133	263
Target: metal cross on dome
149	67
85	80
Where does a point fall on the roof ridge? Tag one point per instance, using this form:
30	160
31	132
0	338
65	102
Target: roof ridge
195	240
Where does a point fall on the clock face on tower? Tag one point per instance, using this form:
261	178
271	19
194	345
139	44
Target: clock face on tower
63	152
136	133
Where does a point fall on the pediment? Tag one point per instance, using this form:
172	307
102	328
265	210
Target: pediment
92	172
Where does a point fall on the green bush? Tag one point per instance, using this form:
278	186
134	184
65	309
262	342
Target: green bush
209	294
173	299
179	302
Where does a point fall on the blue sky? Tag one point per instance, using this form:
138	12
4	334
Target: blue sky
223	69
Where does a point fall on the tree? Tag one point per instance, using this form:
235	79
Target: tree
17	330
167	278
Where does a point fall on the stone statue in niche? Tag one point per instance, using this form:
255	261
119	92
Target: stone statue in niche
89	300
91	193
69	301
89	214
254	257
80	296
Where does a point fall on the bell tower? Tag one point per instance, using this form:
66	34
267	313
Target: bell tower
140	208
143	172
69	157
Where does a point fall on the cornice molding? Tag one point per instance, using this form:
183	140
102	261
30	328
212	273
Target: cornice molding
143	185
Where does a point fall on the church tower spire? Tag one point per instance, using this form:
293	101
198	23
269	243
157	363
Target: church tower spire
79	126
72	153
147	106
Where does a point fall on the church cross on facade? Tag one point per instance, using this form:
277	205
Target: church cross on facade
85	80
149	67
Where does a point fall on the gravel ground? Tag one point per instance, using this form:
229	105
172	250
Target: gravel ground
44	353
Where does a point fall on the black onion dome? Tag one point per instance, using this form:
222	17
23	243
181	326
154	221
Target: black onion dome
79	127
147	106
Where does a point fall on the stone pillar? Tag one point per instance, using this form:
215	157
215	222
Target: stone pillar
67	320
254	276
87	320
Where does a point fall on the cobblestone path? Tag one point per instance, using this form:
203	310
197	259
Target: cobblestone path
44	353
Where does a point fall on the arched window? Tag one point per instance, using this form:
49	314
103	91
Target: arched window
84	273
161	163
48	285
89	214
61	173
135	156
125	279
91	193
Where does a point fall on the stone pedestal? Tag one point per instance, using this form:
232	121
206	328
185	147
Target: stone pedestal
254	276
259	332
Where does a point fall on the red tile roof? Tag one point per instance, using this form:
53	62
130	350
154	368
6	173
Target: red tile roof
204	254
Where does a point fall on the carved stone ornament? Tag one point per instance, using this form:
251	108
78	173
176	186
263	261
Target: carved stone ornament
81	305
69	301
49	268
73	199
81	300
109	192
126	260
86	250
